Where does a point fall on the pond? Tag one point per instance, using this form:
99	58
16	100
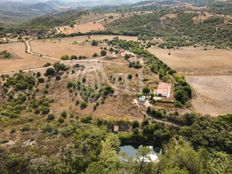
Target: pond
132	151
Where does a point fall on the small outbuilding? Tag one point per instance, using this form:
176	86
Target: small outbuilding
142	99
116	129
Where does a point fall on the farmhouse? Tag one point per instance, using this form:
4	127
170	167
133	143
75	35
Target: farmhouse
164	90
116	129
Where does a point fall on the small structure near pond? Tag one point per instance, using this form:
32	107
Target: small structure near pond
132	152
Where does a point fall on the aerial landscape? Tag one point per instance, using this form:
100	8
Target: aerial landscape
115	87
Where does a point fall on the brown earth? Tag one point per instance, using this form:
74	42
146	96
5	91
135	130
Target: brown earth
212	94
196	61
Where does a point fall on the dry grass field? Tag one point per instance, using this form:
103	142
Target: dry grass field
71	46
57	49
196	61
209	74
85	23
82	28
212	94
19	60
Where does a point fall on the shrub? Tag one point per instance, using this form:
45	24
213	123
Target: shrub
58	78
50	117
86	120
64	114
95	55
135	124
41	80
60	67
50	72
61	120
146	90
94	43
129	77
73	57
45	110
65	57
37	111
103	53
38	74
83	105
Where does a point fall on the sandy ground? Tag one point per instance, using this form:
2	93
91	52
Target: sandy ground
196	61
212	94
65	46
20	60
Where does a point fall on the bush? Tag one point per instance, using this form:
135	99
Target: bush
86	120
135	124
41	80
64	114
103	53
60	67
58	78
146	90
73	57
61	120
45	110
65	57
50	72
37	111
83	105
95	55
129	77
94	43
181	96
50	117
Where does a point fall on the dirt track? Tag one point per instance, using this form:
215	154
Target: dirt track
33	61
20	59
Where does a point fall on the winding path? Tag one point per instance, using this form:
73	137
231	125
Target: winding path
73	62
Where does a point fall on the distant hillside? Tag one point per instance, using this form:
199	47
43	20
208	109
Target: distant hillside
18	12
177	28
222	7
53	20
